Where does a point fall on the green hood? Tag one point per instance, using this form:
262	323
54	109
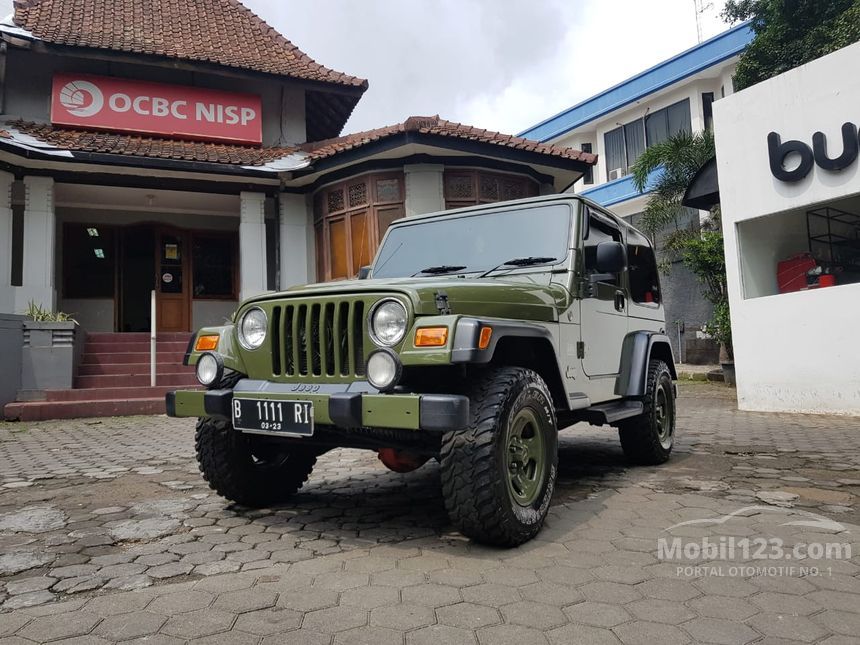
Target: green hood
493	297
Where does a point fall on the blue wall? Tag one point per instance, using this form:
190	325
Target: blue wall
619	190
694	60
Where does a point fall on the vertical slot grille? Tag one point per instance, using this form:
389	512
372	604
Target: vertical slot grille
328	339
342	331
358	337
289	342
276	340
315	348
302	338
322	339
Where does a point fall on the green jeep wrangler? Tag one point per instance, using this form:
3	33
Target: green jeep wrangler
475	336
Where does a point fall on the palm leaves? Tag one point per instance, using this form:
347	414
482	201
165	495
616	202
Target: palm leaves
667	169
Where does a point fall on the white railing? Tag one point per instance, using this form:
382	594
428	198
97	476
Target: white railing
152	339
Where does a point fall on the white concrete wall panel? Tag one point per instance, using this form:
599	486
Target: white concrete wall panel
39	239
7	292
252	244
797	351
424	189
295	249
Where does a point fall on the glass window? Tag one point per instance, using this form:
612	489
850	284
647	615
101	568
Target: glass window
477	242
662	124
708	109
613	142
213	261
588	176
642	269
634	139
678	116
88	261
599	231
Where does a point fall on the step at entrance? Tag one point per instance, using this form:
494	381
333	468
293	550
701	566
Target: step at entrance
113	379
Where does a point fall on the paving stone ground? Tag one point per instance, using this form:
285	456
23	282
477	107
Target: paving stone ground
108	533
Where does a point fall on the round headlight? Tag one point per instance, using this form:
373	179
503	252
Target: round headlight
252	328
209	369
388	322
383	369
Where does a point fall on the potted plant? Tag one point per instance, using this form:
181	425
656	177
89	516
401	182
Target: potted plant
51	349
720	329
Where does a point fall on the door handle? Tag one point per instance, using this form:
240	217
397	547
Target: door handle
620	300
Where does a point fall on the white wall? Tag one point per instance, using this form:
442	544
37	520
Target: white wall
424	188
211	313
793	352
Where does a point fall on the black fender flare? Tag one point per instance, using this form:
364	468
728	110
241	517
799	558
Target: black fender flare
636	352
468	330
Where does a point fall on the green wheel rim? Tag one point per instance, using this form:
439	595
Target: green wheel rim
525	455
664	419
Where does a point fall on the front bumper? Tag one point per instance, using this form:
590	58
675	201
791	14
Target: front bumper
345	406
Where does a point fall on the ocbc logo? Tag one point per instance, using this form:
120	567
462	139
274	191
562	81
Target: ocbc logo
778	151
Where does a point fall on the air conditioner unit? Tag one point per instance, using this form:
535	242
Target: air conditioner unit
616	173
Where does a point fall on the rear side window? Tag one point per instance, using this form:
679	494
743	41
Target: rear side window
642	269
599	231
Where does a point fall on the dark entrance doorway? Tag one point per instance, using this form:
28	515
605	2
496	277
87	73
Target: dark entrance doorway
173	275
154	257
136	277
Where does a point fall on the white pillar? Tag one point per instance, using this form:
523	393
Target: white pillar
39	240
7	292
294	240
424	188
252	244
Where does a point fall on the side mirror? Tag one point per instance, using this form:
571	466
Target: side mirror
611	257
364	272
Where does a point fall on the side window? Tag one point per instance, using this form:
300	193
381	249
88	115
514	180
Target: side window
642	269
599	231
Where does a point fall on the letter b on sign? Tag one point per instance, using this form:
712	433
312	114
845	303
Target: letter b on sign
778	152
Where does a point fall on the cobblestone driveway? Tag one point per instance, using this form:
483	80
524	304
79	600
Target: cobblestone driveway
107	533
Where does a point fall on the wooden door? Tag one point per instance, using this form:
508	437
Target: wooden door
172	280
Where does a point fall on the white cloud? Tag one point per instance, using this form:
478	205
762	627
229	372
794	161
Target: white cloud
497	64
501	64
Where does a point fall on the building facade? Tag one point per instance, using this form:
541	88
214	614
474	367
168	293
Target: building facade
189	149
789	188
619	123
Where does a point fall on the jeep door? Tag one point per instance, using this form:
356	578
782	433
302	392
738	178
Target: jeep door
603	308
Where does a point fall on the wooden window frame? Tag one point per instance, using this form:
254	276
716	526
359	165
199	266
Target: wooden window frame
371	208
476	175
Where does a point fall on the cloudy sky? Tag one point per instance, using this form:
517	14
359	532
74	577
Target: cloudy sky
497	64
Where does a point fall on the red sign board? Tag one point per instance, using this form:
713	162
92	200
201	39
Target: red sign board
124	105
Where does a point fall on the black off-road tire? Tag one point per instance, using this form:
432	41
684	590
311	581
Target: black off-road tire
474	461
647	439
228	462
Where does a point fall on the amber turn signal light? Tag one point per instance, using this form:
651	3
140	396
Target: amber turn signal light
431	337
206	343
484	338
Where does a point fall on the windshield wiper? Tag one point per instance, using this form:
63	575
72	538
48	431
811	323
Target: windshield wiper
519	262
442	268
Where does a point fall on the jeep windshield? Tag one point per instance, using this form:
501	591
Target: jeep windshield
475	243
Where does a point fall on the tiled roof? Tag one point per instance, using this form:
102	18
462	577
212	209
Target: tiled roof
52	138
223	32
145	146
433	125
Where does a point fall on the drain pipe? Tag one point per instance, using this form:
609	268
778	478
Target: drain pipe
152	338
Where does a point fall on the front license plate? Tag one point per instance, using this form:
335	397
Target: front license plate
275	417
